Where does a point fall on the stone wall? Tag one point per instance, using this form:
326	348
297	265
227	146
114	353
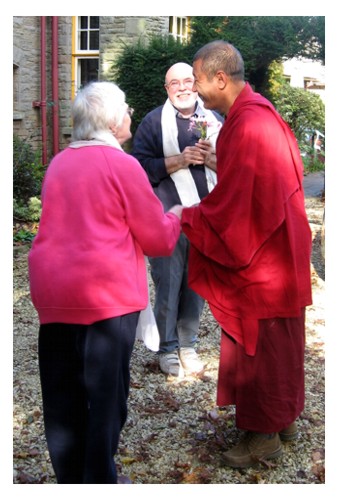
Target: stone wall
115	31
64	78
26	78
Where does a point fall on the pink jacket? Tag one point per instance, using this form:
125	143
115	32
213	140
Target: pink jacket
99	218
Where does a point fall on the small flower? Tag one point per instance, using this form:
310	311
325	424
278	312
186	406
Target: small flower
199	124
202	125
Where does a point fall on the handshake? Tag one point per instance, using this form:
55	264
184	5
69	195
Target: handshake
177	210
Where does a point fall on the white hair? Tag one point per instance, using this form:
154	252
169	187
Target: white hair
97	107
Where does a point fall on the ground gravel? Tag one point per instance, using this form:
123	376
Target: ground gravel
175	434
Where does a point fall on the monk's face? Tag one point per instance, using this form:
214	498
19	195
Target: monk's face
208	89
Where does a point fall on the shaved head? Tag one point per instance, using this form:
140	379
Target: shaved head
179	70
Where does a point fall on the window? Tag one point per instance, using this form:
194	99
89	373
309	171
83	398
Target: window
88	33
178	27
87	71
16	86
85	51
17	112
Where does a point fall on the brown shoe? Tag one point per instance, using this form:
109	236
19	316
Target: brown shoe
289	433
254	448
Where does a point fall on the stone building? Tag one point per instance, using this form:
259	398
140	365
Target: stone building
54	56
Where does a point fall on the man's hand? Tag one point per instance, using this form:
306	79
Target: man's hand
191	155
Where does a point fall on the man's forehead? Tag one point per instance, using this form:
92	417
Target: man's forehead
197	66
179	72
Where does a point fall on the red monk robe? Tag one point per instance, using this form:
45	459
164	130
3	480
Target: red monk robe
250	259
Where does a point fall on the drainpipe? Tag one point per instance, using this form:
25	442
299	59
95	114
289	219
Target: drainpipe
43	103
55	96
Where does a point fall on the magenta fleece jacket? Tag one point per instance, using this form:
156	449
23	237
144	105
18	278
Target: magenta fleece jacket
99	219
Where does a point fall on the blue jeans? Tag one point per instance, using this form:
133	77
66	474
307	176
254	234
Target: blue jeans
177	308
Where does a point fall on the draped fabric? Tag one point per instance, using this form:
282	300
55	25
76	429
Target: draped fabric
250	238
183	178
267	389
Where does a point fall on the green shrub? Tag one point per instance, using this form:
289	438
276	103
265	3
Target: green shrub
30	212
313	161
140	72
23	235
27	171
304	111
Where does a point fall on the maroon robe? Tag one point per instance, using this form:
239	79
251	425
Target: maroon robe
250	237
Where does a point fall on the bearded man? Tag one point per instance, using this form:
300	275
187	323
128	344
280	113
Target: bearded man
182	169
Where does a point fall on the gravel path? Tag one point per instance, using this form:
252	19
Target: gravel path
174	432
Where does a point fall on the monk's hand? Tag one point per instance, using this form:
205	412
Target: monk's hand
205	147
207	150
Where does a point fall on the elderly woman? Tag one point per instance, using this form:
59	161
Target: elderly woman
88	283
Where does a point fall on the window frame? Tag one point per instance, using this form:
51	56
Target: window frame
175	27
79	54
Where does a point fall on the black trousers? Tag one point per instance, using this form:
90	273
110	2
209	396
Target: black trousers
85	376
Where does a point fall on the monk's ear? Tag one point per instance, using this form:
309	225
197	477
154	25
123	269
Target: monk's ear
221	79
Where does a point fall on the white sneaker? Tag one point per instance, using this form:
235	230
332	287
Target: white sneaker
170	364
190	360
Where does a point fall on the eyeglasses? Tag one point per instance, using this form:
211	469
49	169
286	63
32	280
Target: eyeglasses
130	111
175	84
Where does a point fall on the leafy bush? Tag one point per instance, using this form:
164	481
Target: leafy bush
24	236
27	171
313	161
27	217
140	72
301	109
30	212
263	39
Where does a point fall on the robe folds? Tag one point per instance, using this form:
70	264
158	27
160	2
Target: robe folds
250	237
